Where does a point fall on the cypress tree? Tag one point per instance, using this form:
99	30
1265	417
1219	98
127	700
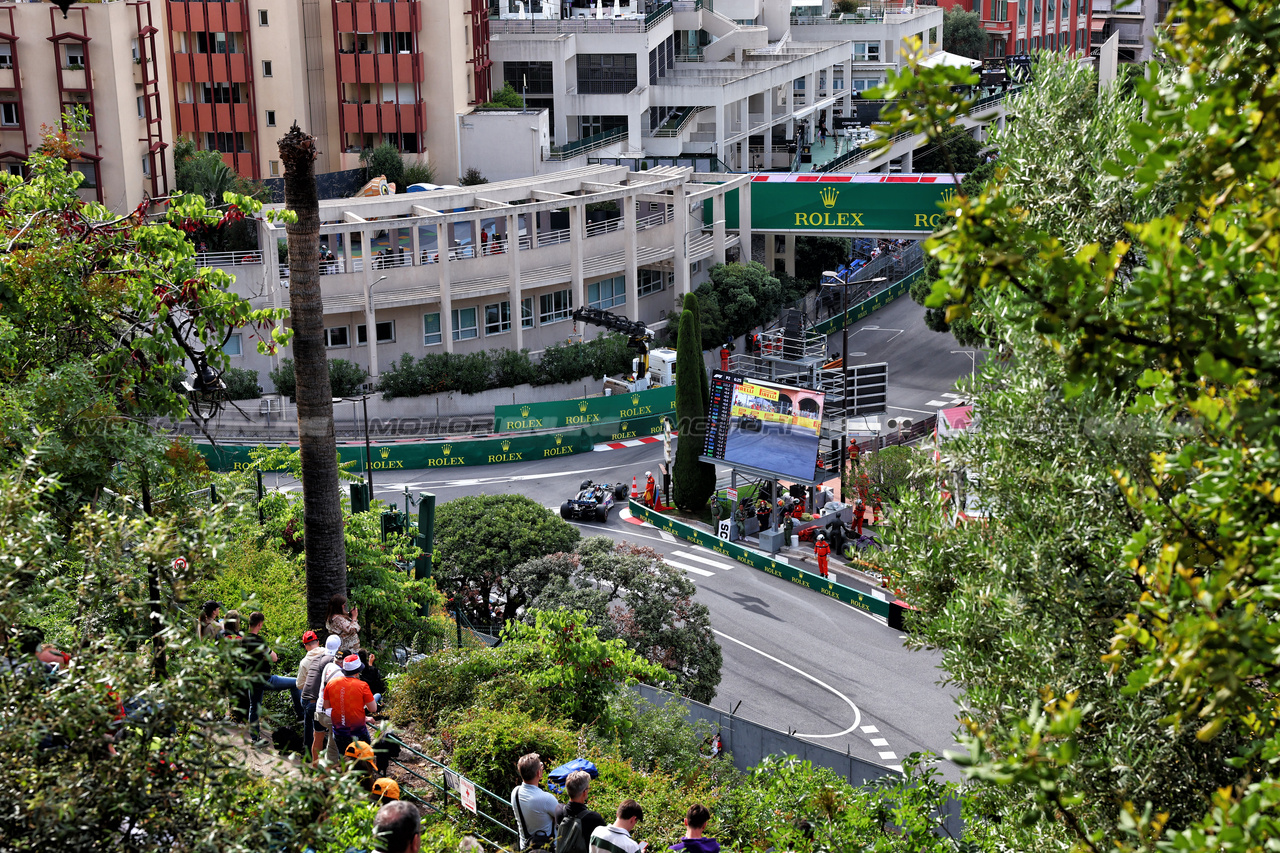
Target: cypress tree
693	480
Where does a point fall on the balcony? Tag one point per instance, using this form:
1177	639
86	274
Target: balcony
208	17
202	118
242	163
211	68
377	67
394	118
377	17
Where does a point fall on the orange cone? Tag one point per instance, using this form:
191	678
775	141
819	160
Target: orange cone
635	488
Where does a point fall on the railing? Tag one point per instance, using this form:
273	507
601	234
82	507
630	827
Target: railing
447	788
653	220
657	16
391	261
590	143
585	24
675	125
604	226
857	155
552	238
229	259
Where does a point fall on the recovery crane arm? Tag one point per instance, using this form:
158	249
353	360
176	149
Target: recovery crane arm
637	333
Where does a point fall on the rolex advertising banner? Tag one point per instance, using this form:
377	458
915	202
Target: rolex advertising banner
826	203
424	454
587	412
763	562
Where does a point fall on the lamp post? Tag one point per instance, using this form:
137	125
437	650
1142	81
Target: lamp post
363	400
843	281
973	361
371	327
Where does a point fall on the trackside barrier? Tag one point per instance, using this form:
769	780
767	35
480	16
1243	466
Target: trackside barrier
750	743
449	787
585	411
867	306
765	563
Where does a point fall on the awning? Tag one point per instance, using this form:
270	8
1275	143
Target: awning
1097	25
949	59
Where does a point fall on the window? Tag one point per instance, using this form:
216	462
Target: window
1066	9
526	313
233	346
591	125
337	336
1022	11
146	166
214	43
6	54
263	20
266	68
386	333
607	293
271	118
397	42
863	84
652	281
90	172
464	324
606	73
1050	8
142	107
866	51
497	318
1035	44
273	166
9	114
1080	7
14	169
531	77
1020	47
1035	12
431	329
74	56
554	307
227	143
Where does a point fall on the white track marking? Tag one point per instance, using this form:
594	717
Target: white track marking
701	559
688	568
857	715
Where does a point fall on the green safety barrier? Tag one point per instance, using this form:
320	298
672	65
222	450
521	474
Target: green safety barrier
622	430
763	562
584	411
433	454
867	306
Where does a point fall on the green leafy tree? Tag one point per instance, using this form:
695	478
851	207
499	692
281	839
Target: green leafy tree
632	595
480	539
472	178
417	172
689	473
384	160
956	153
963	33
746	296
1165	304
506	98
816	255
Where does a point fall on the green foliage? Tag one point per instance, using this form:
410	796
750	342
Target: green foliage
472	178
384	160
206	174
505	98
814	256
485	744
512	368
569	362
447	681
242	383
480	539
738	298
657	738
963	35
891	471
417	172
345	377
689	475
956	153
632	595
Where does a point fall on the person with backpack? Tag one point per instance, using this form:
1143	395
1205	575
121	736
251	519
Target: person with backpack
308	681
536	810
579	821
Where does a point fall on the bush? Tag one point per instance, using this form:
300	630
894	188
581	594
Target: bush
242	383
512	368
470	373
284	379
486	743
346	377
417	173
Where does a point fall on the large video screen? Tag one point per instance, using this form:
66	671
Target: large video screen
764	425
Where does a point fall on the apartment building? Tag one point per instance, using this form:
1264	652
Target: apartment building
500	265
106	57
1027	26
1133	22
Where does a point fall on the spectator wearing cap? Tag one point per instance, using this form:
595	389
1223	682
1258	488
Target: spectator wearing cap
616	838
315	653
397	828
386	789
332	669
207	625
349	699
363	762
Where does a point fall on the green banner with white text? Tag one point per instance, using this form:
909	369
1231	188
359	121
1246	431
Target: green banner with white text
585	411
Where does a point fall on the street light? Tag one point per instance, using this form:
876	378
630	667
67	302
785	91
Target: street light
363	400
843	282
371	333
973	361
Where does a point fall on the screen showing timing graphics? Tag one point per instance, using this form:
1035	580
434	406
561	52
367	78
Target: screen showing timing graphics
764	425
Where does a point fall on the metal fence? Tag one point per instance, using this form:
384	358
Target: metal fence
749	743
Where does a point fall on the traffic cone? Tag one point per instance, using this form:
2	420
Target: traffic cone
635	488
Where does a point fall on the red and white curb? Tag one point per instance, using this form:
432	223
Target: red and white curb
630	442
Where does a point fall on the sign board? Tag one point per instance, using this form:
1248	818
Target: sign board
587	411
843	203
868	389
467	790
732	494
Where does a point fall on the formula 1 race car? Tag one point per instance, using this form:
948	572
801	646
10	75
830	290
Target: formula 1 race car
748	423
594	501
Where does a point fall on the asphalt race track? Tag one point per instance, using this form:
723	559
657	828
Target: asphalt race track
776	447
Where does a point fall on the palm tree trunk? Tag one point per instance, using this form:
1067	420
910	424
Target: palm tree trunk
326	552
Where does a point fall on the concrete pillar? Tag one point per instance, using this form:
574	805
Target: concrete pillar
678	228
443	235
720	132
415	244
766	161
770	250
790	257
907	160
635	132
513	276
631	264
717	227
744	222
371	332
577	237
744	111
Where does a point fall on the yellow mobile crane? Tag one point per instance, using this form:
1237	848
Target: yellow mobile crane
651	367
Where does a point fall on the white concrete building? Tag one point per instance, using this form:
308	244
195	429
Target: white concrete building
500	265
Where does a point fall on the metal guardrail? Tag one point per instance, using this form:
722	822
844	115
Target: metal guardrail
604	226
229	259
587	144
450	792
676	125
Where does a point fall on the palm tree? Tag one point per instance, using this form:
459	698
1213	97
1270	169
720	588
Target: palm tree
326	552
